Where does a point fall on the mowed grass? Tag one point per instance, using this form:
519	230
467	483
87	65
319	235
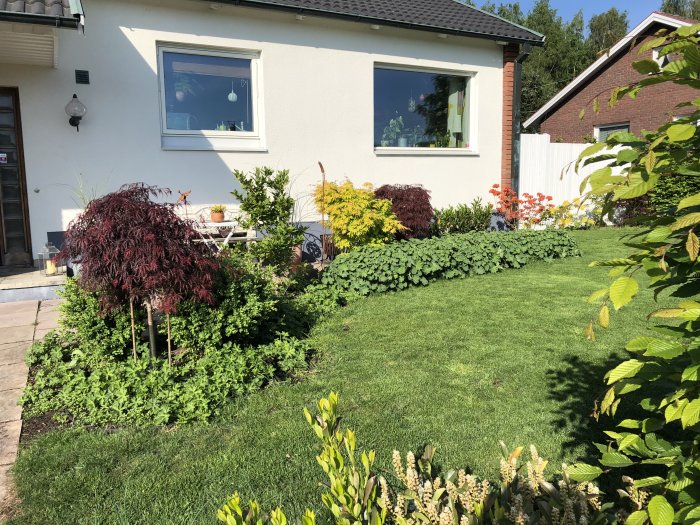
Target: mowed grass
459	365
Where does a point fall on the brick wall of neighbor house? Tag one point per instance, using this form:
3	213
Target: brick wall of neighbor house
510	53
653	107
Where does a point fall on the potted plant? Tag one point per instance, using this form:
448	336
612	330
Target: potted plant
392	131
217	213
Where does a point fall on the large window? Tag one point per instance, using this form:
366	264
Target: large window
421	109
208	93
601	133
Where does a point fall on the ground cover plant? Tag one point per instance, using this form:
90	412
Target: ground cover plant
377	269
471	347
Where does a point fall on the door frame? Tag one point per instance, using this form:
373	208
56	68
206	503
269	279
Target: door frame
13	92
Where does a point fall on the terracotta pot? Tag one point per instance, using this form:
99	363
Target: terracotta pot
217	216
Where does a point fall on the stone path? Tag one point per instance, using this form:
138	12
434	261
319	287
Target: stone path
20	324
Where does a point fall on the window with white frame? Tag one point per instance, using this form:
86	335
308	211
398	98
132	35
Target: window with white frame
422	109
662	60
208	93
602	132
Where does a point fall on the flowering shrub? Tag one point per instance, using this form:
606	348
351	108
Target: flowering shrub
573	215
525	212
357	218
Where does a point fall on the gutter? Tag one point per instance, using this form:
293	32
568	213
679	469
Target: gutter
517	114
380	21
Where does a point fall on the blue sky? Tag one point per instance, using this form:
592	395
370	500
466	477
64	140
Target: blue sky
636	9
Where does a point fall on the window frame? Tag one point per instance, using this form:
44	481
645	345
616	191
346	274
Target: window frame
186	139
597	128
472	83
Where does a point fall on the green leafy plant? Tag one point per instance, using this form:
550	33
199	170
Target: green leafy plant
356	217
391	132
463	218
663	370
268	207
420	261
357	494
218	208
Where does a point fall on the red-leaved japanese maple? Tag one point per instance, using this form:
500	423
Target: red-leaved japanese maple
411	205
133	250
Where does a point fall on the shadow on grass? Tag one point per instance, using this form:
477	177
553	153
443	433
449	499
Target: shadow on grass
576	388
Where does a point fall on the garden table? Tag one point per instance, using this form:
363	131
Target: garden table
212	237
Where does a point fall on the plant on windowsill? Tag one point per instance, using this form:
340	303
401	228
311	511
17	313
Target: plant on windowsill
392	131
217	213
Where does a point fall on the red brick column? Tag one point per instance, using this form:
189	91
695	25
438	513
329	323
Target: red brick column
510	53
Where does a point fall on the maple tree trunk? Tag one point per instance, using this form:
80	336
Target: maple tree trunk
133	329
170	346
151	330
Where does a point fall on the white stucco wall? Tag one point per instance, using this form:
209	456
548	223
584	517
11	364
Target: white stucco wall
318	106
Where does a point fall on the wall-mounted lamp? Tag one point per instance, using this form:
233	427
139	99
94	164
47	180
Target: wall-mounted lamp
76	110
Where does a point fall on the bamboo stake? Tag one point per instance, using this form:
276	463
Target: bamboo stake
323	213
170	348
133	329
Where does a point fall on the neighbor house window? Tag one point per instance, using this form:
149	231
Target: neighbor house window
601	133
421	109
206	93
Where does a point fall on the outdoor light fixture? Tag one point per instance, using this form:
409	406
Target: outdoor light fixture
76	110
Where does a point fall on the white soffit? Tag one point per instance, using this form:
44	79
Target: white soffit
26	44
603	60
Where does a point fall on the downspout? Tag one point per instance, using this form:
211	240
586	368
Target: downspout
517	114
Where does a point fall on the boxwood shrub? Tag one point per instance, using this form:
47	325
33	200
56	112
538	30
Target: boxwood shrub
402	264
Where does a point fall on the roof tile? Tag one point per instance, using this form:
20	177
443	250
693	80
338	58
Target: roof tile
436	15
37	7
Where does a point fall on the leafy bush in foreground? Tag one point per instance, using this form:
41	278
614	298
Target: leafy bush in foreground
419	493
418	262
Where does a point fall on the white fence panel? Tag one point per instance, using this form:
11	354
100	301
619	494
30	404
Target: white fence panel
548	168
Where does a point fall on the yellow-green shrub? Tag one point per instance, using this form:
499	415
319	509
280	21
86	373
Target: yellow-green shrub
356	217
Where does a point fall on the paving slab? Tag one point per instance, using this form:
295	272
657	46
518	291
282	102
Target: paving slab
39	334
13	377
16	334
19	306
12	353
9	409
9	441
4	482
50	304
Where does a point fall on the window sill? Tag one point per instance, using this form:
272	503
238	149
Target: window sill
425	152
204	143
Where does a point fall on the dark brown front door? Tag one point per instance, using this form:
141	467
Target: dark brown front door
15	246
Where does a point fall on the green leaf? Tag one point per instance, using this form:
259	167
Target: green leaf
640	343
660	511
638	517
692	373
680	132
583	472
646	67
665	349
649	482
691	414
659	234
692	246
622	291
597	295
625	369
693	200
628	441
616	460
627	155
604	316
687	220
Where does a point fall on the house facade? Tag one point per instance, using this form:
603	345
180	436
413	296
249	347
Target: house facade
179	93
655	105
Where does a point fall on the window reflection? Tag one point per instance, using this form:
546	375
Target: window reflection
420	109
207	93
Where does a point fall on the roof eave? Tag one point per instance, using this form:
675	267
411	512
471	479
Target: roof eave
553	103
35	19
536	40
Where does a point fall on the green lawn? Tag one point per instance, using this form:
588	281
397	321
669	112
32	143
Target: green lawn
459	364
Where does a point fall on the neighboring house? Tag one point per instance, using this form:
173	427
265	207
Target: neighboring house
655	105
181	92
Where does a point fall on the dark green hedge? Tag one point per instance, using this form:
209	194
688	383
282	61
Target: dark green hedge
418	262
